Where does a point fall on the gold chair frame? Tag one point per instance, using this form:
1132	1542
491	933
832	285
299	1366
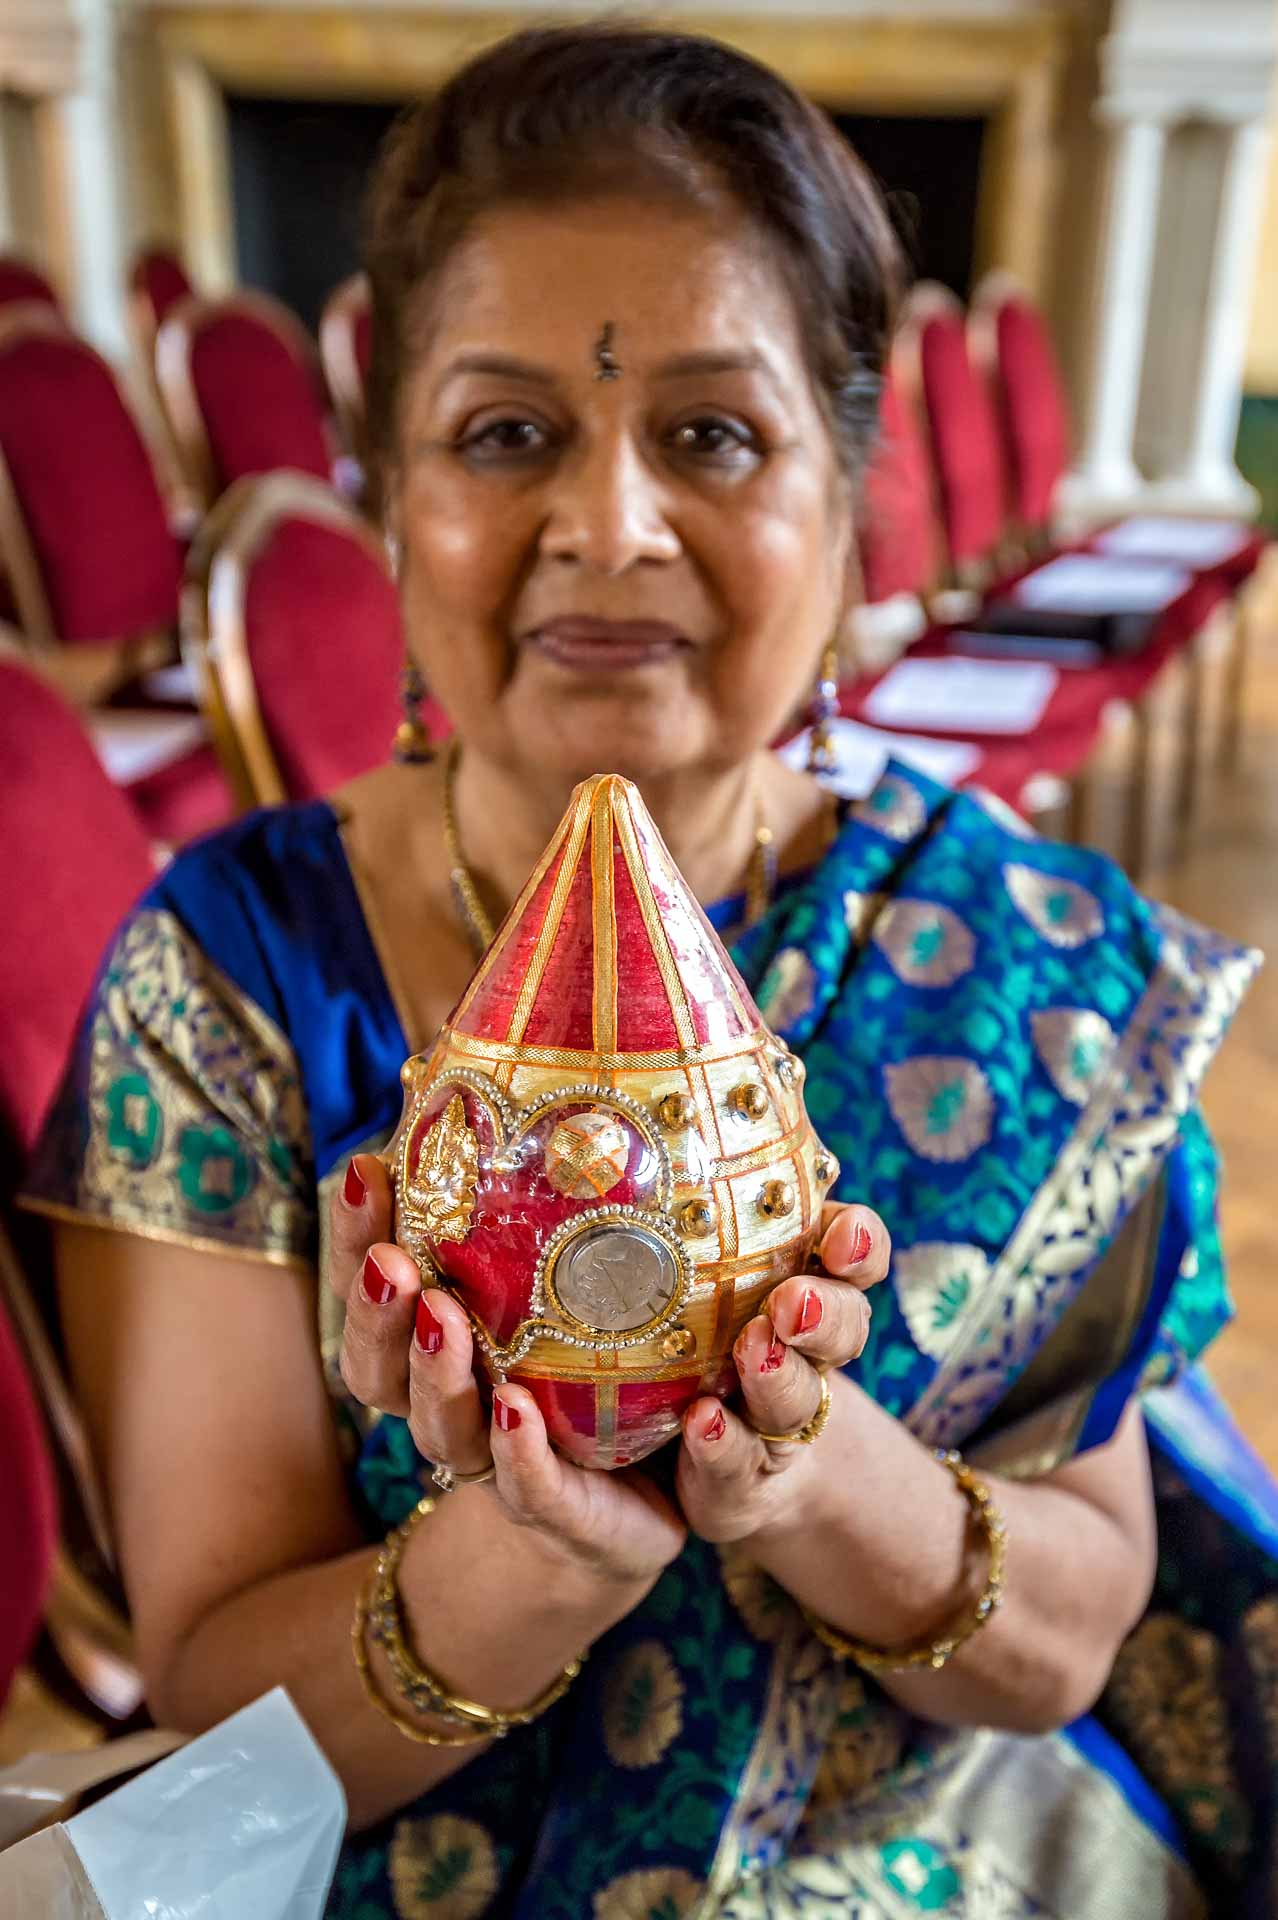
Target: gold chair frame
214	637
174	343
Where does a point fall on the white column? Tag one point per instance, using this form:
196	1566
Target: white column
1105	475
89	127
1206	479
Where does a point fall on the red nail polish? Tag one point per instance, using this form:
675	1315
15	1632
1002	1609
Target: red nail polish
811	1311
377	1287
862	1244
774	1356
353	1187
428	1333
507	1417
717	1427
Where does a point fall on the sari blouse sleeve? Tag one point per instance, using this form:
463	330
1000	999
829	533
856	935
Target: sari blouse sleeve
181	1116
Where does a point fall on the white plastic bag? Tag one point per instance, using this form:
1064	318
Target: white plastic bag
246	1820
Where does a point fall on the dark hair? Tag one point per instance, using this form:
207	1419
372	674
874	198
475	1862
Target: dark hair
560	112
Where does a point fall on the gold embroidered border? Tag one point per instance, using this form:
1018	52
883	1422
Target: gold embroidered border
170	1236
1115	1149
498	947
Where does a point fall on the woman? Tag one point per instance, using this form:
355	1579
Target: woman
631	299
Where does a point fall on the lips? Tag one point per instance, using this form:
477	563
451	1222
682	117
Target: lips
581	642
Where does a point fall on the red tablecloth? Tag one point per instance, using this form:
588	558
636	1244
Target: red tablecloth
1068	732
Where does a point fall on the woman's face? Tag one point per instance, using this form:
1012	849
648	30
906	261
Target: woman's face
623	527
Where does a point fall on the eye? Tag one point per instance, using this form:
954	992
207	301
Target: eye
512	437
716	440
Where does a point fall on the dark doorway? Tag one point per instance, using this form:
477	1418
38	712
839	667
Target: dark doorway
930	170
299	170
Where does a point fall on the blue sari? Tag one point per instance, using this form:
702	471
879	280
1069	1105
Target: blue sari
1004	1045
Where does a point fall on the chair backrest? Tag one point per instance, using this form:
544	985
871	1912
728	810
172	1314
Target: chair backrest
19	280
899	538
242	388
963	428
157	282
345	340
291	622
73	858
1011	344
83	530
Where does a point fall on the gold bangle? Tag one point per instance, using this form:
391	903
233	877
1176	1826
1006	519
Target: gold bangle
417	1684
810	1430
424	1736
936	1652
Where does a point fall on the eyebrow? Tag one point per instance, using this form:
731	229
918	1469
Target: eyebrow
506	366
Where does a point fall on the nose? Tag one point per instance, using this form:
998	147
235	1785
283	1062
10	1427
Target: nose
606	510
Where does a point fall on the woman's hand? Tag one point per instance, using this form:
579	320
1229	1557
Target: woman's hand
410	1353
732	1484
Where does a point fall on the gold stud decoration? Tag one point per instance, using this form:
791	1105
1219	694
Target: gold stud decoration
698	1217
826	1169
676	1111
679	1344
750	1100
777	1199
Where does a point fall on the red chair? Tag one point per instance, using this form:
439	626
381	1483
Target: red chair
241	384
345	342
899	538
1011	345
157	281
963	429
28	1511
291	622
20	281
86	541
73	858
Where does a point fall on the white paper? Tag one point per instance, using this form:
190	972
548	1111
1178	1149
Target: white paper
1098	583
245	1821
132	744
971	696
861	753
1186	543
173	685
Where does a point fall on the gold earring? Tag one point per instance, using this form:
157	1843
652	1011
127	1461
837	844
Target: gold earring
411	744
822	711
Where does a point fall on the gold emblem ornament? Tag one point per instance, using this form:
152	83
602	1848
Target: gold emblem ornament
441	1187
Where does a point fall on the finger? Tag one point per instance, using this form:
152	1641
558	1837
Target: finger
379	1325
719	1449
530	1475
827	1321
782	1390
446	1415
360	1213
856	1246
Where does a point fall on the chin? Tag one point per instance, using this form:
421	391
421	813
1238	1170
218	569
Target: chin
641	742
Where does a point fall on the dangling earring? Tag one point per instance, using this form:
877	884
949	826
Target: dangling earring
822	711
411	744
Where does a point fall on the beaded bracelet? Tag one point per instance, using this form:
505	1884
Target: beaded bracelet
937	1652
379	1618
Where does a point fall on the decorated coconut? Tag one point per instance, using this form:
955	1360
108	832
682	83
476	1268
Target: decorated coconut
605	1156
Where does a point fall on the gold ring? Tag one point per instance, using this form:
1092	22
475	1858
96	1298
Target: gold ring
446	1478
804	1436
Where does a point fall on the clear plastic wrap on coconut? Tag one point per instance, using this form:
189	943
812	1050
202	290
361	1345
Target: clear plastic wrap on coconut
605	1156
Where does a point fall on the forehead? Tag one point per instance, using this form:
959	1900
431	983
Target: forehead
541	281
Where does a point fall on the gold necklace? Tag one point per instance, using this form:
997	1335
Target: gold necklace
761	873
